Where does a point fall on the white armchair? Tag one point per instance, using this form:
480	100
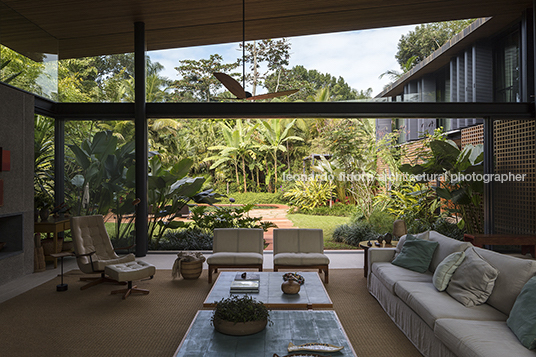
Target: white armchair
93	248
300	248
236	248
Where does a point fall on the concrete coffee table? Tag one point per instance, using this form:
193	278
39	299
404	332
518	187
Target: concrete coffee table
298	327
312	294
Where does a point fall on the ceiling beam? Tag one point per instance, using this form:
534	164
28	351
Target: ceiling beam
125	111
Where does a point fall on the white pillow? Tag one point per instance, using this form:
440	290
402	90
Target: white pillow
445	269
473	281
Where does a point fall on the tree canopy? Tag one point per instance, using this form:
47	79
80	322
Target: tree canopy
427	38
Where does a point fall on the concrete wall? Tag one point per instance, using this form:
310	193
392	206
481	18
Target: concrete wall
17	136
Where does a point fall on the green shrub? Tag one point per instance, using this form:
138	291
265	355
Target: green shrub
306	195
209	218
185	239
443	226
354	233
417	226
381	221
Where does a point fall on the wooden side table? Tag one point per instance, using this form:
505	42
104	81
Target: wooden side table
53	228
365	247
527	242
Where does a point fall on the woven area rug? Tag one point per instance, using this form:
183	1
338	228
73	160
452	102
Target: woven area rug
43	322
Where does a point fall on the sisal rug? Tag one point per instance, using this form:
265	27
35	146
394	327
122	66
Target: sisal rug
43	322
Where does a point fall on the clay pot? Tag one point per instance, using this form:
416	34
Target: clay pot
399	228
239	328
290	287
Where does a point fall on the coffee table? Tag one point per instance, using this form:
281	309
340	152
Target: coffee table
298	327
312	293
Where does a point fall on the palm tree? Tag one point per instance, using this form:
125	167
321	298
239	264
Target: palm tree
274	135
238	146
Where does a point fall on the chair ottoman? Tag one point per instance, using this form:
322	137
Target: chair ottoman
128	272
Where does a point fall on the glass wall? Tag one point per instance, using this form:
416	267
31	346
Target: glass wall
507	67
28	55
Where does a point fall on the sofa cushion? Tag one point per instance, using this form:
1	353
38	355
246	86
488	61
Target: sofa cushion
447	246
430	304
402	240
416	255
513	274
473	281
473	338
390	274
522	320
300	259
445	269
235	258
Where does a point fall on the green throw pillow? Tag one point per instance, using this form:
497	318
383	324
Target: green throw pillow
416	255
522	320
445	269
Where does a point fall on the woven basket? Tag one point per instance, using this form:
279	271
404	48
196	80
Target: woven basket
191	270
48	245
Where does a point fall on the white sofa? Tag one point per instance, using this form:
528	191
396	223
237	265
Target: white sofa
437	324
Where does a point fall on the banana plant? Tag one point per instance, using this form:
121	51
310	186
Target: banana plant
451	167
169	191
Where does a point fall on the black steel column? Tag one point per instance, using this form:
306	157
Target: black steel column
488	169
59	161
140	122
533	44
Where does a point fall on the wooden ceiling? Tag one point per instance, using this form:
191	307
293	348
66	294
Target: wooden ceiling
88	28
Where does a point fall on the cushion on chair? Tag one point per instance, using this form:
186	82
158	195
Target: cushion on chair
232	258
99	265
301	259
298	241
130	271
238	240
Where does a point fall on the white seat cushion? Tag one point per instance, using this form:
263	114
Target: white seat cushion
130	271
480	338
431	305
300	259
99	265
390	274
230	258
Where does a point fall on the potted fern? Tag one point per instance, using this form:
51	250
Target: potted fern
240	316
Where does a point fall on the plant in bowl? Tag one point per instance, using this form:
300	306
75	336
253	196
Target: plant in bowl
240	316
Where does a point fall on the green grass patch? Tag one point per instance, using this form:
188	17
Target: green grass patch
253	197
326	223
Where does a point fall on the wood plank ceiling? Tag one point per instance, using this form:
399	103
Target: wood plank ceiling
88	28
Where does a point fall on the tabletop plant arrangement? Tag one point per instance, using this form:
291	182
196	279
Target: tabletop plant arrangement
292	283
240	316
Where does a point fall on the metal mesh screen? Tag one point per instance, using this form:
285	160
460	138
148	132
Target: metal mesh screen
515	154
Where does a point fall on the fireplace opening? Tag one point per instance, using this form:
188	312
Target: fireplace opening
11	234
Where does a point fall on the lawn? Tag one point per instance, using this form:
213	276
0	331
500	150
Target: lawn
326	223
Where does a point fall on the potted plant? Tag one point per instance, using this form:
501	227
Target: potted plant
240	316
42	205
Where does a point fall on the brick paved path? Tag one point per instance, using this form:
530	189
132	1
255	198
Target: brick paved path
275	215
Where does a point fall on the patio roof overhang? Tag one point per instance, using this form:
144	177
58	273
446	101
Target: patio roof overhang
82	28
77	29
